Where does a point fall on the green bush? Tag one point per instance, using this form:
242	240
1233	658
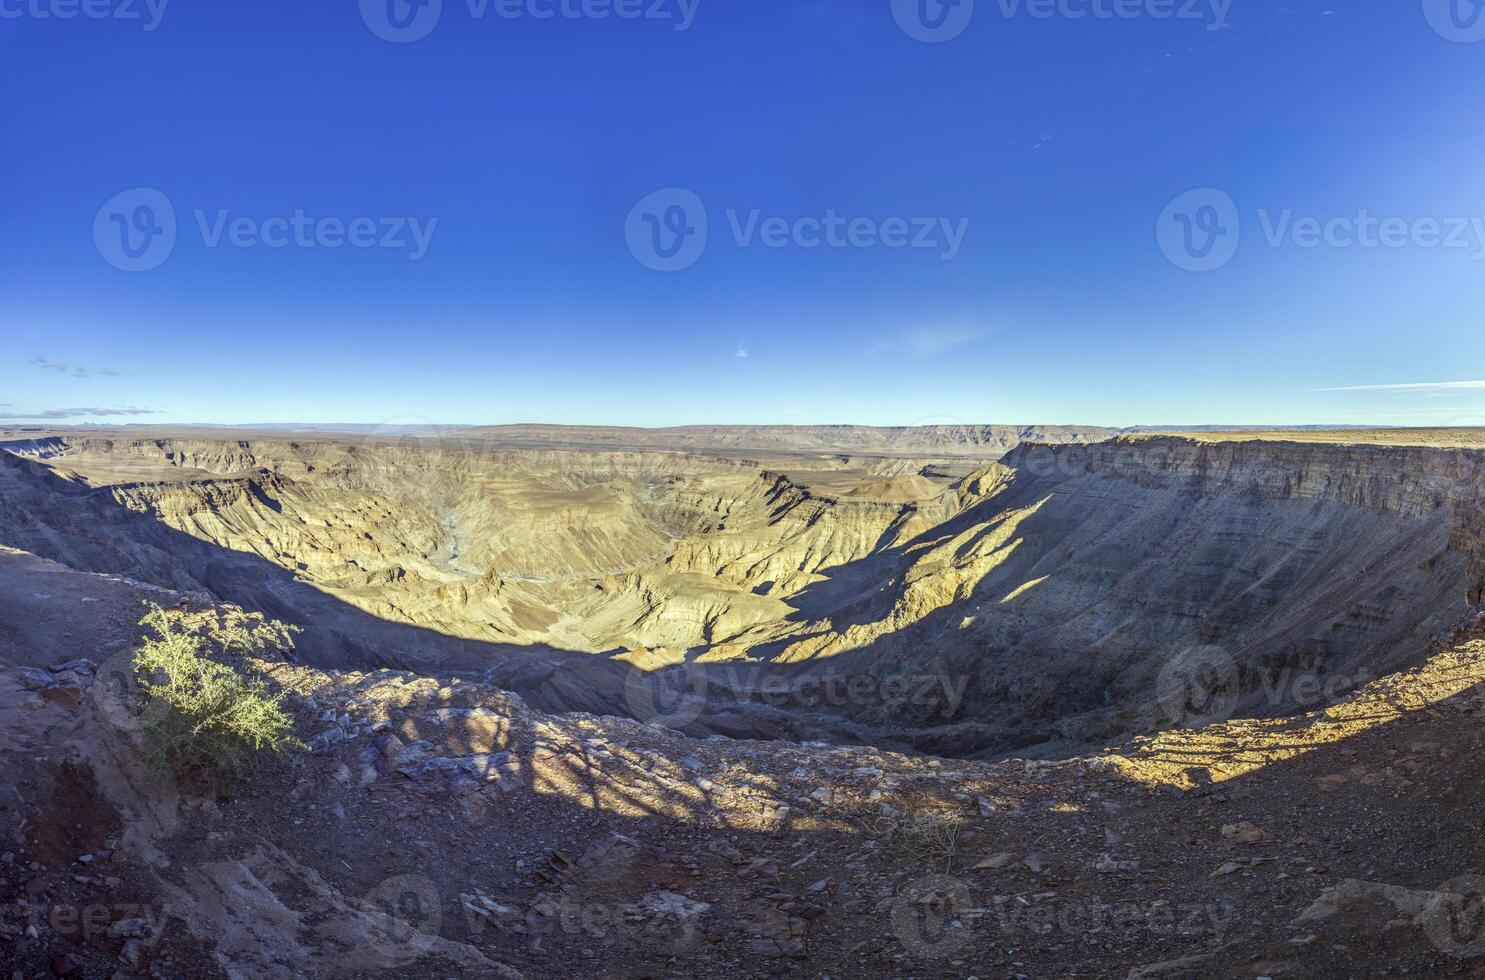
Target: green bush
201	713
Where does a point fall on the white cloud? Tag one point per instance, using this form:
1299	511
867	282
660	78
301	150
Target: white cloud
741	351
1411	386
924	341
67	413
75	370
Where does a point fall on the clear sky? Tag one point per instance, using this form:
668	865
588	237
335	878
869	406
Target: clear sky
1033	155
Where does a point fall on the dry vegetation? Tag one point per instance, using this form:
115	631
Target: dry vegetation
203	709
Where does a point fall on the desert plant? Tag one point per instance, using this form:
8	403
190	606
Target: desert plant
924	836
201	713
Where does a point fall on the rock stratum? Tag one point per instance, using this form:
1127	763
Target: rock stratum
1026	604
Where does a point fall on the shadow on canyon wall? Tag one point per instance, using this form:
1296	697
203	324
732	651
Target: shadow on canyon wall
1061	673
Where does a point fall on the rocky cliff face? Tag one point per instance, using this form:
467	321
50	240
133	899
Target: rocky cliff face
1406	481
1083	572
985	441
1043	599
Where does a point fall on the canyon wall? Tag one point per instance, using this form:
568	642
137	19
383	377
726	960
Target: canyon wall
1036	601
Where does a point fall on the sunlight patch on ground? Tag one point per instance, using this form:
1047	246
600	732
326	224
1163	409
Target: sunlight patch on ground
1189	758
1024	588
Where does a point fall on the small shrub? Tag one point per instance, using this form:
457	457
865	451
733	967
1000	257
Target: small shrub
203	714
925	836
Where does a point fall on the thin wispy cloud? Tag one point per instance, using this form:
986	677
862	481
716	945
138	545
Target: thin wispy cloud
1410	386
68	413
925	341
741	351
72	370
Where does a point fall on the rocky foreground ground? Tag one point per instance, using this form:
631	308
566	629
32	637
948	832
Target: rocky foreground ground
437	829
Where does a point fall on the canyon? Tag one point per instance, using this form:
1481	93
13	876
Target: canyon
1074	654
1026	602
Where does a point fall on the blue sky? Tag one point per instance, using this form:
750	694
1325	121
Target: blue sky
521	146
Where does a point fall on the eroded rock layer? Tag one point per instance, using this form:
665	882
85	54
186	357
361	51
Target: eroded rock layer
1039	600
